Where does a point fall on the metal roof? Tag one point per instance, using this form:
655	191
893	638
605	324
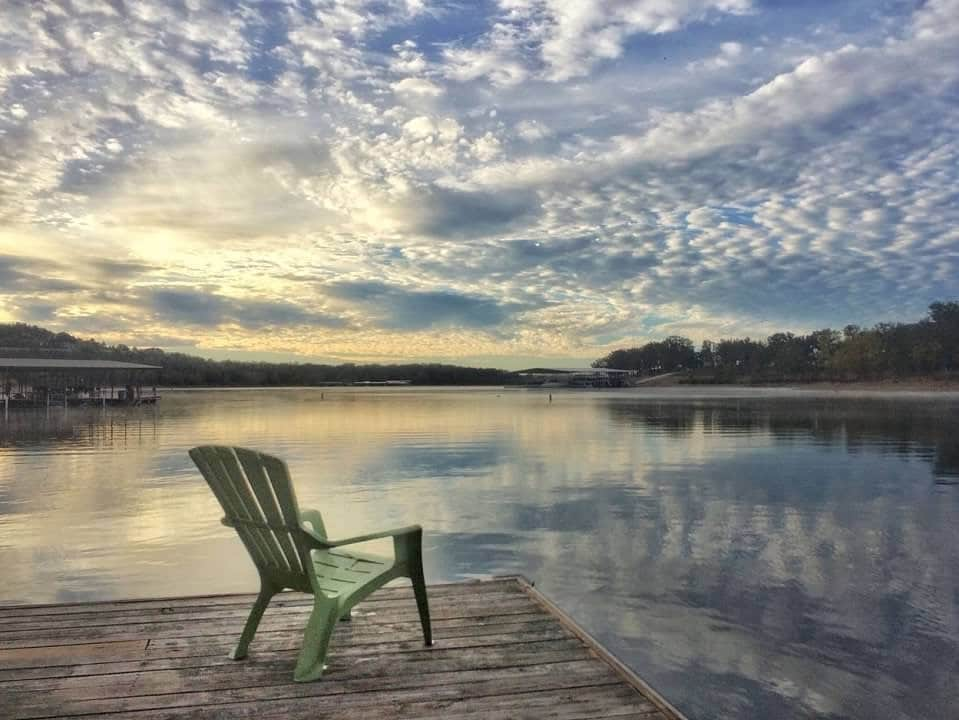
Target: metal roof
51	364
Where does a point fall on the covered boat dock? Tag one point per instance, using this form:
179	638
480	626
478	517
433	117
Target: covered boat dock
44	382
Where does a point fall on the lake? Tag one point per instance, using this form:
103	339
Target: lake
750	553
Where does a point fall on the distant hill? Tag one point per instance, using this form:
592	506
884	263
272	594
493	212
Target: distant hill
180	369
21	340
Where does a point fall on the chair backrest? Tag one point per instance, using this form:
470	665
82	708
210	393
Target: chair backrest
257	497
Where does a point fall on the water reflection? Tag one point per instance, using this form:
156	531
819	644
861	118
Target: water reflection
775	555
82	426
902	426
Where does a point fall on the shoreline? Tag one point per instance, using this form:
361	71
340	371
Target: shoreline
925	386
886	386
913	384
929	385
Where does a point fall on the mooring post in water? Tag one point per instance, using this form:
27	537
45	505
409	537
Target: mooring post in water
551	397
6	406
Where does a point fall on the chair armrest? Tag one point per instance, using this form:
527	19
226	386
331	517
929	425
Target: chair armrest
316	520
394	533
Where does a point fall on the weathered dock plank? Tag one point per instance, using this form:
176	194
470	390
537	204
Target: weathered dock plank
502	651
38	636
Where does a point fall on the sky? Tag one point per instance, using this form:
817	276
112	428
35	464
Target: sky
499	183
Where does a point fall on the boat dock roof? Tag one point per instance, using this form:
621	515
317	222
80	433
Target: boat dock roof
502	651
61	364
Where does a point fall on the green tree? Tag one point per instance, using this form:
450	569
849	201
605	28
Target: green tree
944	317
859	356
789	354
824	343
741	355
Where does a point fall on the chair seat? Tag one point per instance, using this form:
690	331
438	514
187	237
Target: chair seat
343	572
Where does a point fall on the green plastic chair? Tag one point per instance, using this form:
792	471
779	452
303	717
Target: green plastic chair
290	550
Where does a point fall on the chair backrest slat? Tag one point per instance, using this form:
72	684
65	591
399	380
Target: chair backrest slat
253	463
213	472
279	476
239	485
255	489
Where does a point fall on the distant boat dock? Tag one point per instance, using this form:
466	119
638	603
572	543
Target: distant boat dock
53	382
502	650
559	378
379	383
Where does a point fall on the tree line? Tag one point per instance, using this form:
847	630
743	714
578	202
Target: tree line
929	346
182	370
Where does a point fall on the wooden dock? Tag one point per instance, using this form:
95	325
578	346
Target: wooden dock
502	651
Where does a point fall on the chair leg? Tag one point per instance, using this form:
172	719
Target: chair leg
253	621
316	640
419	589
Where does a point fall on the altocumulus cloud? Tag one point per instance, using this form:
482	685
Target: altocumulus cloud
504	178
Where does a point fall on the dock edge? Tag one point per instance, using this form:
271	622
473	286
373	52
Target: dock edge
597	647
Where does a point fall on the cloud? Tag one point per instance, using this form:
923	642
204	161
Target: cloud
33	275
497	56
38	312
192	307
451	213
398	308
417	86
110	268
532	130
729	54
570	38
218	189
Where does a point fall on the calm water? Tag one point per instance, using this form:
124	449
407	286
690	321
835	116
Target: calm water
750	553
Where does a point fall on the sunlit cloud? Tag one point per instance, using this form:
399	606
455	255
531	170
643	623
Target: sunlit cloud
521	178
